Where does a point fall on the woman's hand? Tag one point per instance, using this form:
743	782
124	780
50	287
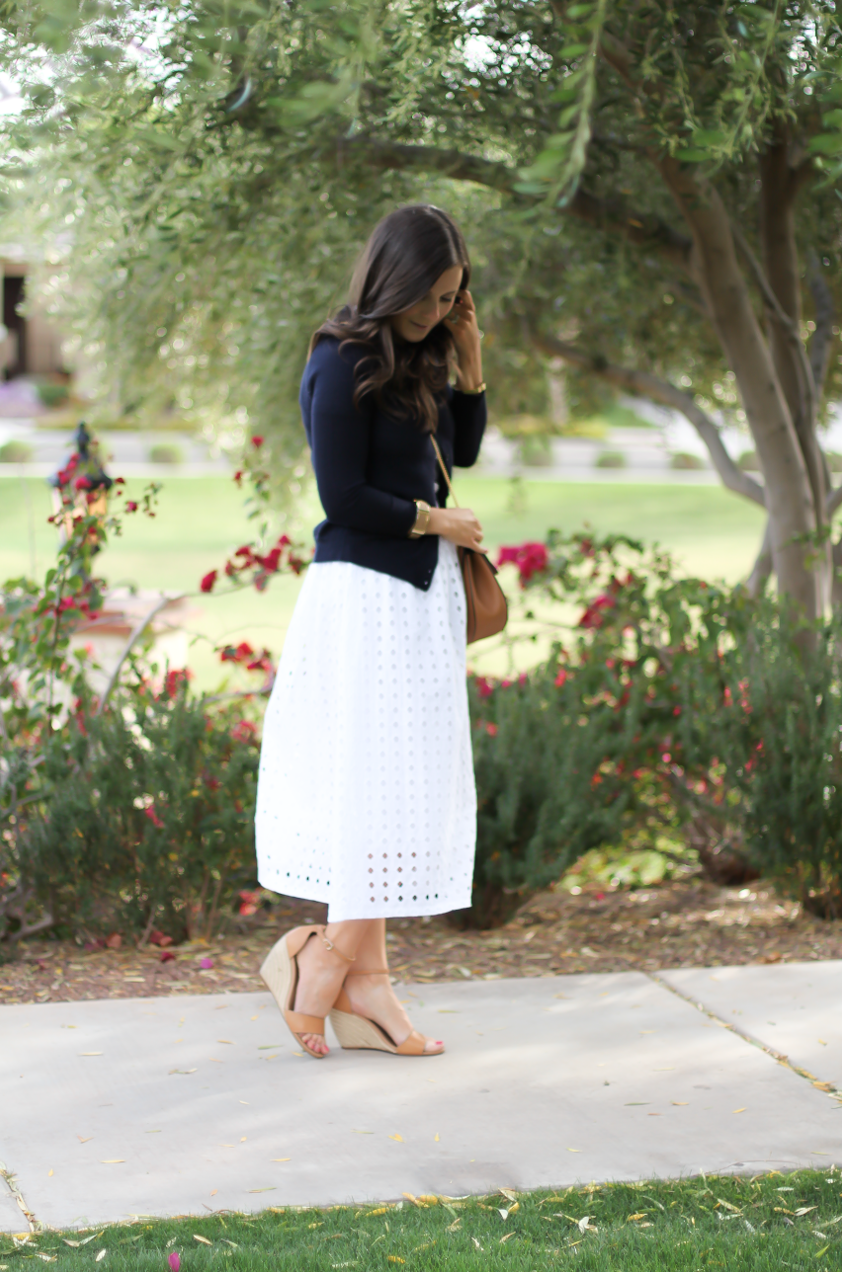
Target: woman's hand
462	321
459	525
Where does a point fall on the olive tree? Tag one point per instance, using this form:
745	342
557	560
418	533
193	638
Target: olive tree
651	189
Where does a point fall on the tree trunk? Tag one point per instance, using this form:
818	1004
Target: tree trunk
789	495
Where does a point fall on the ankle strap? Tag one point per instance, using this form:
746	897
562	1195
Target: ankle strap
336	950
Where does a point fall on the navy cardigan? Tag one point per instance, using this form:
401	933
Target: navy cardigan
370	466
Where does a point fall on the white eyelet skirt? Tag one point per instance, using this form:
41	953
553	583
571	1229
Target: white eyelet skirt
366	795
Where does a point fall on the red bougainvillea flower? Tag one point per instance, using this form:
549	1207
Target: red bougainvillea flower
257	441
594	614
484	687
131	506
249	903
158	938
174	1260
244	731
237	653
208	580
561	677
83	483
238	476
530	559
206	964
491	730
168	957
176	677
153	817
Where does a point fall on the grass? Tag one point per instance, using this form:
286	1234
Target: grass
732	1222
200	520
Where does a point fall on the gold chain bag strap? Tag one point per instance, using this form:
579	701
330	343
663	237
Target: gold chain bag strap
486	603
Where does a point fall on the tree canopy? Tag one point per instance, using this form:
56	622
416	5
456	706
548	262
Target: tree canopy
650	191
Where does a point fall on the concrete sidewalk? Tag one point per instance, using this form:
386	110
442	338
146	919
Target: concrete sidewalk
193	1104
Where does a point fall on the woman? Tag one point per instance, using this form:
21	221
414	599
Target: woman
366	794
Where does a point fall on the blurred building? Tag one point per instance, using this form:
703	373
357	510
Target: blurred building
30	344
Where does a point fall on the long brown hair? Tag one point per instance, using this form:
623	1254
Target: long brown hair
407	251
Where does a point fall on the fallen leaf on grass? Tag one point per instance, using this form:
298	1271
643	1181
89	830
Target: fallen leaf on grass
398	1138
738	1110
804	1210
426	1246
100	1256
203	1240
51	1258
819	1253
394	1258
680	1104
634	1218
574	1150
734	1209
457	1223
507	1236
476	1243
584	1225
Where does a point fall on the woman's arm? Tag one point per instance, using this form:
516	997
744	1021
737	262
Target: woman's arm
339	442
469	419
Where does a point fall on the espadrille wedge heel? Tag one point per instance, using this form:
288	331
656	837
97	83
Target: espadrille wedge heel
358	1033
280	972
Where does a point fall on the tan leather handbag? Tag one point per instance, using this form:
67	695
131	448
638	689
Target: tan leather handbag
488	612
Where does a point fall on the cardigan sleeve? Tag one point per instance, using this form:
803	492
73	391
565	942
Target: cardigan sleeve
339	443
469	418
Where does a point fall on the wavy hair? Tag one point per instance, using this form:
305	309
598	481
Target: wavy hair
407	251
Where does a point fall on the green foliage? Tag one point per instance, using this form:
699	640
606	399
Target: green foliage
221	168
148	817
780	743
166	453
611	459
15	452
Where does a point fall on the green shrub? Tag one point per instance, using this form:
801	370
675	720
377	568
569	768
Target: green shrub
686	460
611	459
16	452
536	450
166	453
51	392
149	819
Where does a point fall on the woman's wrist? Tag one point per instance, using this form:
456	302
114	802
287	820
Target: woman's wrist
435	523
469	379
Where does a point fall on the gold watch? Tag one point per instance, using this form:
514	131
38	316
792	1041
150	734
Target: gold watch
422	519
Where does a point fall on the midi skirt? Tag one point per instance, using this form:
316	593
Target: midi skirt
366	796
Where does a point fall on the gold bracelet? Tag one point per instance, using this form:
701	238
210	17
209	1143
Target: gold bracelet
472	392
422	519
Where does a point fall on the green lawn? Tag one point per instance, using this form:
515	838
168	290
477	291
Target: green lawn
733	1223
201	520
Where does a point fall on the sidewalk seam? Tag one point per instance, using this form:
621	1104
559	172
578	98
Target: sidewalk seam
11	1181
826	1088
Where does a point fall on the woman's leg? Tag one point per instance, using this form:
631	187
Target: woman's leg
372	995
322	971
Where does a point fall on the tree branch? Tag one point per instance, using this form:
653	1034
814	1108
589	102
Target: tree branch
762	567
611	215
834	500
822	341
647	385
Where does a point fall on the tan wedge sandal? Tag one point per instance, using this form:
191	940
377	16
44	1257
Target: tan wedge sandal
280	972
358	1033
